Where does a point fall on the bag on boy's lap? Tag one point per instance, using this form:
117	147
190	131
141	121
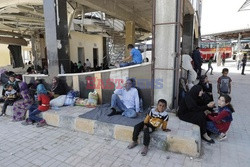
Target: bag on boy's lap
70	98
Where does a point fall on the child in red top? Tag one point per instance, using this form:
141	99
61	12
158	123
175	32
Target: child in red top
220	122
43	101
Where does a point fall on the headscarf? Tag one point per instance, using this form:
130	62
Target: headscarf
41	89
23	86
202	79
54	85
194	92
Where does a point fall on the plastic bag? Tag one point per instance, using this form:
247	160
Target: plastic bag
92	99
58	102
70	98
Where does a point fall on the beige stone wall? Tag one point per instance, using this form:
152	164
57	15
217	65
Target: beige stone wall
5	55
88	42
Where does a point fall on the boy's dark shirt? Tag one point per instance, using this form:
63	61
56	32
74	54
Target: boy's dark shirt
224	83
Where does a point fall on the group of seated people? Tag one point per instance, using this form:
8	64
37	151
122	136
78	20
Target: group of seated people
196	107
21	96
33	97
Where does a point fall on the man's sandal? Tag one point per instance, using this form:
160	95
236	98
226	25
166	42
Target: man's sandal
144	151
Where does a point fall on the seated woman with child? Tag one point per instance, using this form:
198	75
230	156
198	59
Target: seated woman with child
192	109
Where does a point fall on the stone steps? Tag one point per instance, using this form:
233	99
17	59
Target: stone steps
184	137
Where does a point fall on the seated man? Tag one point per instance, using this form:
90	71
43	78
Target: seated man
129	105
136	56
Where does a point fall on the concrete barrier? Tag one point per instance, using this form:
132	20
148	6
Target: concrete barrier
184	137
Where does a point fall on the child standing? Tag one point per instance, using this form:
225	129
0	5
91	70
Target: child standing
43	105
221	121
210	66
10	97
156	117
224	83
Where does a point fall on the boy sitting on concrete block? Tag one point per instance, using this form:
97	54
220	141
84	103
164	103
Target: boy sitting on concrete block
157	116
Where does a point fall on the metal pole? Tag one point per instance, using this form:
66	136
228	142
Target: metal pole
178	54
153	54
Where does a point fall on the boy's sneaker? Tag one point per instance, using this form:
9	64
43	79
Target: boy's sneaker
27	122
222	136
41	123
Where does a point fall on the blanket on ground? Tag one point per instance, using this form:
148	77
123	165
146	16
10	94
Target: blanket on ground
100	114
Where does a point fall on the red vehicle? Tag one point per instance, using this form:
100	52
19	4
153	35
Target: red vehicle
208	49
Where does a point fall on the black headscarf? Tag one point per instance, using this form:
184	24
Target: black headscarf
192	103
202	79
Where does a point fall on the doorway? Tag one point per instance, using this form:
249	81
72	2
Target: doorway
81	56
95	57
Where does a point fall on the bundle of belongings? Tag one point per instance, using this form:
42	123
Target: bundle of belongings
90	102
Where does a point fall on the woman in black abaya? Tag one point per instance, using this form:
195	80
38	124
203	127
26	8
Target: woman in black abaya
193	110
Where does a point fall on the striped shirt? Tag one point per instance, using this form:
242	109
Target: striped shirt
157	119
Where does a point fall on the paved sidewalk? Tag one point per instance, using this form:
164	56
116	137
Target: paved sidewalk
50	146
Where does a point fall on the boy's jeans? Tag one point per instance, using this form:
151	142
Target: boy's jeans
127	112
33	112
125	64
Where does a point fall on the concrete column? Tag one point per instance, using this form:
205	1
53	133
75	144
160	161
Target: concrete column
130	35
34	50
165	49
56	31
76	83
188	34
105	52
196	40
62	36
50	36
98	78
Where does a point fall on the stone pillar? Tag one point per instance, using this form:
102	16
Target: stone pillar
165	42
56	31
105	61
188	34
33	45
130	35
36	50
62	35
